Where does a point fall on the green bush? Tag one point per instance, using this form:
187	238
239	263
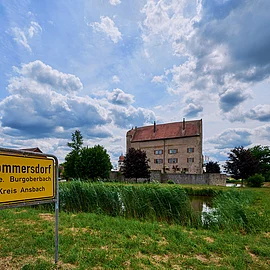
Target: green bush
170	182
255	180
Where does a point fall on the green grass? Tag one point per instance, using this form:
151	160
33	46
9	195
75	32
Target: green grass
91	241
99	241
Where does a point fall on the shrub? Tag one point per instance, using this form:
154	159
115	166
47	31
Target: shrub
255	180
170	182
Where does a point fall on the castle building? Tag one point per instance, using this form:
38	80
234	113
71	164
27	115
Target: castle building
173	147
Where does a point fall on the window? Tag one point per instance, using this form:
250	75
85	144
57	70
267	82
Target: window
158	161
173	160
158	152
173	151
190	160
190	150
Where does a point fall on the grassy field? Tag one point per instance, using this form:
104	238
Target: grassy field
98	241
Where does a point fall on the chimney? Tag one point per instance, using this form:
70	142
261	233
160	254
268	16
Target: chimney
155	128
184	124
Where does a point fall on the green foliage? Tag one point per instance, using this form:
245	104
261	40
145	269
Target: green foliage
95	163
262	154
136	164
255	180
241	163
72	160
146	202
212	167
234	210
77	141
71	165
84	162
170	182
209	192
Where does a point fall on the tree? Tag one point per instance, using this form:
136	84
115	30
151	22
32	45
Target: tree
241	163
71	165
136	164
255	180
77	141
85	162
262	154
212	167
72	160
95	163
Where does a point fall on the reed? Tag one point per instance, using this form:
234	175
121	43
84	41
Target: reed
144	202
236	210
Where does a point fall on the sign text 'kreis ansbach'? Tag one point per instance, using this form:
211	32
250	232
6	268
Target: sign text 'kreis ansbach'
26	178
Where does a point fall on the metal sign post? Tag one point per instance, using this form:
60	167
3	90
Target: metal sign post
56	218
29	178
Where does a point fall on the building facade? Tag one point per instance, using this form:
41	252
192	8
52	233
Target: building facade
172	147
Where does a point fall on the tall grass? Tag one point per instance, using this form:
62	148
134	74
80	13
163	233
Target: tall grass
209	192
232	209
236	210
144	202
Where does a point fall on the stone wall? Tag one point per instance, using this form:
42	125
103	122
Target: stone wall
117	176
214	179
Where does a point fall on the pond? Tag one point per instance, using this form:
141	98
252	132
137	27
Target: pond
233	185
202	204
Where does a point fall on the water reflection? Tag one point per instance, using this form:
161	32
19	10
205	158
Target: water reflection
233	185
202	204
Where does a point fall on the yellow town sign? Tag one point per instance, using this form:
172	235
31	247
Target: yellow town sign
26	178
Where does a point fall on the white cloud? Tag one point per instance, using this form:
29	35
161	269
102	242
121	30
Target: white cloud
158	79
119	97
127	117
192	110
115	79
38	72
115	2
108	27
231	138
35	108
34	29
22	36
263	132
260	113
213	57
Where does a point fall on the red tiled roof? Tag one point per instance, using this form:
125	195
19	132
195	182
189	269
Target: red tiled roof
36	149
166	131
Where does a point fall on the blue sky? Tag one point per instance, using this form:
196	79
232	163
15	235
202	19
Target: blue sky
105	66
